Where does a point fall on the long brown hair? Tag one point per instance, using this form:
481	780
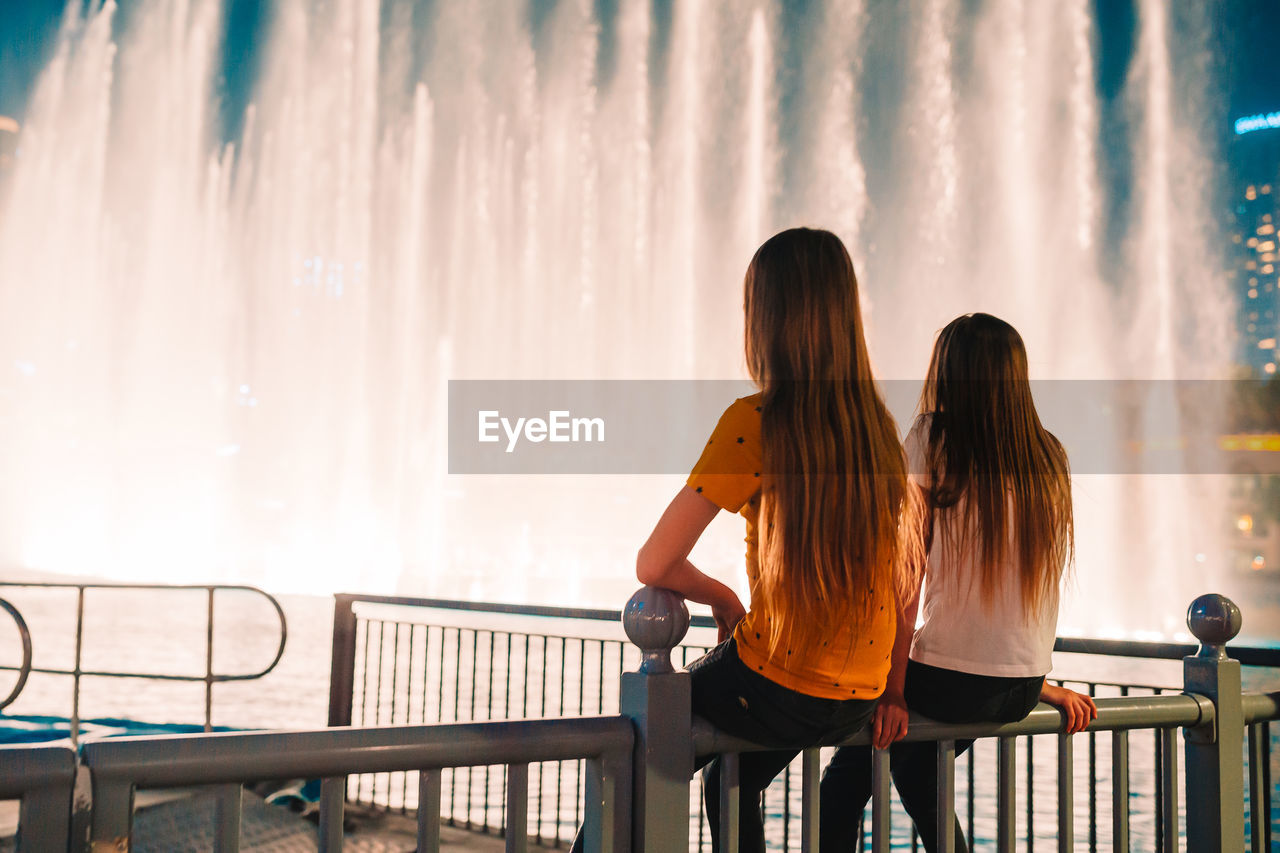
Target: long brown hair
836	526
986	445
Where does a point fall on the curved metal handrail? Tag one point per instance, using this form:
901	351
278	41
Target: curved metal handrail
25	669
209	678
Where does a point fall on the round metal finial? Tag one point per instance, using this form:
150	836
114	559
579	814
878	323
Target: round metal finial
1214	620
656	620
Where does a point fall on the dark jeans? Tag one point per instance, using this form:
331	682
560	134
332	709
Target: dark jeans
940	694
744	703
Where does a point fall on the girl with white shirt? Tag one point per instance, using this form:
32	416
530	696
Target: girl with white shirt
997	488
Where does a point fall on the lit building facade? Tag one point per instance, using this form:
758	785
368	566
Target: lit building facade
1256	209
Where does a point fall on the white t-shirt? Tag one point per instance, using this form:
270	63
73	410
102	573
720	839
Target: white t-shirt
960	633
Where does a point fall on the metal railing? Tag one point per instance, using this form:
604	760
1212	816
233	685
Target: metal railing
392	664
120	765
639	761
42	779
77	672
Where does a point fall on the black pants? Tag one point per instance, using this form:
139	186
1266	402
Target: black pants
744	703
940	694
741	702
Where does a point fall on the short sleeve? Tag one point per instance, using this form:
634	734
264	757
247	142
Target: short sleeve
728	471
916	447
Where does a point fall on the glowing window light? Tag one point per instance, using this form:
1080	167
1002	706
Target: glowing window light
1253	241
1250	194
1235	238
1267	246
1270	368
1253	293
1268	269
1251	265
1245	523
1266	217
1259	563
1268	257
1266	229
1260	121
1266	189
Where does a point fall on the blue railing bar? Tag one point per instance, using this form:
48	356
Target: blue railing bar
1120	791
946	838
1261	707
1119	712
1169	789
228	804
429	811
518	808
730	802
810	788
1066	793
332	805
880	800
1247	655
236	756
1006	797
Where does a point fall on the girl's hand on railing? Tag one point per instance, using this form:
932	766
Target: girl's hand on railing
727	612
1077	708
889	722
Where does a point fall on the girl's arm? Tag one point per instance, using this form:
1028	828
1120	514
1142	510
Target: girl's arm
664	559
1078	708
890	720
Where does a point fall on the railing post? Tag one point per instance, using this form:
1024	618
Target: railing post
657	699
1215	766
342	672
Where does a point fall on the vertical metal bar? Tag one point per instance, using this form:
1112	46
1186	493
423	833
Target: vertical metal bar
518	808
228	800
1093	783
1031	794
1266	785
112	821
331	807
786	809
429	811
607	823
1006	798
1120	791
457	683
364	700
946	795
342	667
1159	791
44	817
560	712
1257	817
880	800
208	665
395	686
74	727
1066	794
810	787
730	802
1169	788
971	795
484	824
542	708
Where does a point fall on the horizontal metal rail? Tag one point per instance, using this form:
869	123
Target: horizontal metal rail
1122	713
77	672
42	779
120	765
1247	655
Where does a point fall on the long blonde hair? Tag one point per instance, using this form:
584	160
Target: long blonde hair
838	524
986	445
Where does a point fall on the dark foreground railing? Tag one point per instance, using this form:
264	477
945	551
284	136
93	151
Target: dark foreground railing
397	660
639	762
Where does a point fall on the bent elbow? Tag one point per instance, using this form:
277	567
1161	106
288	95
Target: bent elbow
649	571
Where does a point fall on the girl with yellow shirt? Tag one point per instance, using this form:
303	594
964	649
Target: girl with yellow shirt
813	464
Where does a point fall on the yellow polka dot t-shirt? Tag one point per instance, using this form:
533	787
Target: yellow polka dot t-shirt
843	663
